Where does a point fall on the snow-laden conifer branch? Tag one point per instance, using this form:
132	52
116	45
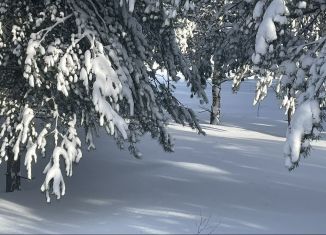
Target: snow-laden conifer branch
87	64
291	51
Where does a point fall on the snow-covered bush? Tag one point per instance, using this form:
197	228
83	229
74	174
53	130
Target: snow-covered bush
89	64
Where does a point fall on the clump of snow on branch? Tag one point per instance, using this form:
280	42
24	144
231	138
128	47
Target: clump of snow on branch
275	13
106	85
70	151
303	123
262	87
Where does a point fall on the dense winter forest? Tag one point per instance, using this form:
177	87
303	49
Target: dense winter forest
70	70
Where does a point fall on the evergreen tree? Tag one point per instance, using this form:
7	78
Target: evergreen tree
221	45
279	42
290	48
67	64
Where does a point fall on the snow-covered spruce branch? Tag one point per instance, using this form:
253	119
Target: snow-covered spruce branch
291	51
87	64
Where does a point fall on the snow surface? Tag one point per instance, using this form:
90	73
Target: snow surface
234	178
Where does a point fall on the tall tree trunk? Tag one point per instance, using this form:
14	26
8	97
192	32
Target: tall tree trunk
290	109
216	103
13	173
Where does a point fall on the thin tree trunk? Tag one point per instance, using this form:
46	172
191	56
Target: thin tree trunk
13	173
289	116
290	109
216	103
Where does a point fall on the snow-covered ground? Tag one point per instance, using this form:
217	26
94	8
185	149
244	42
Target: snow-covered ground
232	180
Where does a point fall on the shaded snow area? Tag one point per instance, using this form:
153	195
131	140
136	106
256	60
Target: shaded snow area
232	180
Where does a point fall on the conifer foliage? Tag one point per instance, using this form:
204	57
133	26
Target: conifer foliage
279	42
290	49
67	64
